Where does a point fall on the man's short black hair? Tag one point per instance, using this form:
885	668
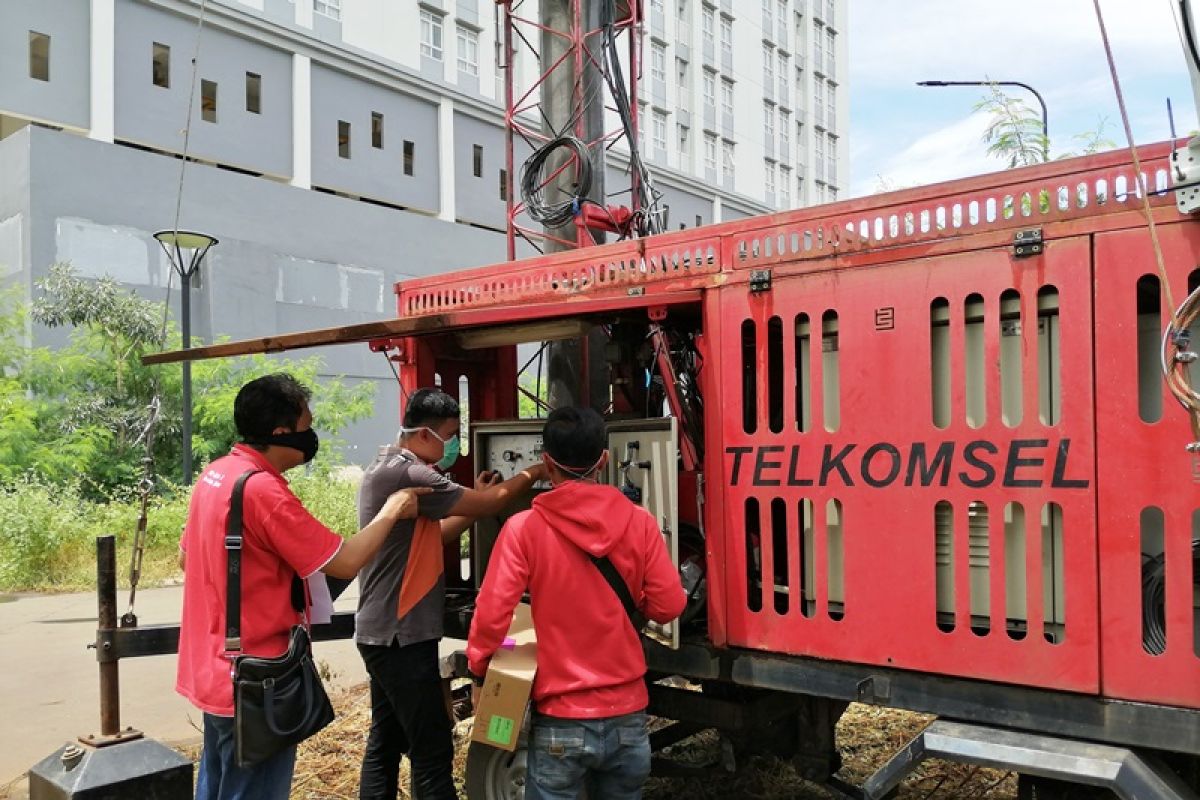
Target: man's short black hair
575	437
266	403
429	405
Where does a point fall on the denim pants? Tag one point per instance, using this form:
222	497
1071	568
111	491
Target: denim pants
222	779
408	717
608	756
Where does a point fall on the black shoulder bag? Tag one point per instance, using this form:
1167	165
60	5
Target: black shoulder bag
614	579
277	702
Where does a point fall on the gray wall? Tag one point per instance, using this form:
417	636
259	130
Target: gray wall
152	115
371	172
289	259
478	199
64	99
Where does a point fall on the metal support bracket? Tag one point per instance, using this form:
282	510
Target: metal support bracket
1129	774
1186	163
760	280
1028	242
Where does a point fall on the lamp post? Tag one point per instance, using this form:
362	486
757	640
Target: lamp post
1026	86
186	250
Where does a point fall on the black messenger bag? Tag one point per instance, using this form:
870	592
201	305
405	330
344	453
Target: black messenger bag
277	702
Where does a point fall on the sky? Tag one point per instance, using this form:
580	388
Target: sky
903	135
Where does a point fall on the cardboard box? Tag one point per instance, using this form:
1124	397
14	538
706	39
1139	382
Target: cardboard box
507	685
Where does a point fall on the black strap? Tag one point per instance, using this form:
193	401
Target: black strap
614	579
233	568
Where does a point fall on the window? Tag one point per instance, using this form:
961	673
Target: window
832	101
769	176
727	160
409	157
782	16
657	6
708	24
328	8
658	62
39	56
785	187
818	62
376	130
477	160
830	50
783	72
766	14
504	184
726	37
710	90
710	152
468	50
785	130
682	82
253	92
769	120
768	56
833	194
660	131
343	139
682	30
431	35
819	102
727	97
208	101
685	145
160	65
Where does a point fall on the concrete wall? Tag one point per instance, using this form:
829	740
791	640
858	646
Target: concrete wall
64	98
288	259
478	200
371	172
155	116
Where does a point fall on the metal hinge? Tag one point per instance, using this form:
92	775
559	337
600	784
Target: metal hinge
1028	242
760	280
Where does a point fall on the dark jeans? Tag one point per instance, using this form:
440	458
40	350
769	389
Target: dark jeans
222	779
408	717
608	756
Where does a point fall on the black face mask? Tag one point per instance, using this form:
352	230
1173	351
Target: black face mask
306	442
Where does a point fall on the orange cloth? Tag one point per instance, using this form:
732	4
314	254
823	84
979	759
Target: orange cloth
426	561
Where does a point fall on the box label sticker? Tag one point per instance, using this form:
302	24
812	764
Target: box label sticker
500	730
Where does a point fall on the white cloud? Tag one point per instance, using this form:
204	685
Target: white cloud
944	154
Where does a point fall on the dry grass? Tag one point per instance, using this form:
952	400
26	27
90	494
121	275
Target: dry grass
327	766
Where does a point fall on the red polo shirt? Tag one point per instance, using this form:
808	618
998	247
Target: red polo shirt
280	539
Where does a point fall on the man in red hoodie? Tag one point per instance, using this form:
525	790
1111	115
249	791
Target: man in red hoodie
589	722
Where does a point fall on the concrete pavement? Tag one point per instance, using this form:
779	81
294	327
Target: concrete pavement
49	682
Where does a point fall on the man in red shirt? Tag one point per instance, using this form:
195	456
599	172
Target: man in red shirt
281	540
589	722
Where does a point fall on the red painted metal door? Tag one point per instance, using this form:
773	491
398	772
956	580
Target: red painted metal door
903	471
1149	500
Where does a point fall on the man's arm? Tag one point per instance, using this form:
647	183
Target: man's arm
663	598
360	547
453	527
492	500
506	580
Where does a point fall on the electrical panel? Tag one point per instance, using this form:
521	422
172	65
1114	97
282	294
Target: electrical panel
643	463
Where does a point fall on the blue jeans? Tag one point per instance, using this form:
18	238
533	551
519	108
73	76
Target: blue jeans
608	756
222	779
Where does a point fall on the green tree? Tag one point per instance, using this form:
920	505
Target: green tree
79	413
1014	133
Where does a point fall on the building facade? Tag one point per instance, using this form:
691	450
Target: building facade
336	146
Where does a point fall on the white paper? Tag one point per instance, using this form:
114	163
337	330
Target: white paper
321	610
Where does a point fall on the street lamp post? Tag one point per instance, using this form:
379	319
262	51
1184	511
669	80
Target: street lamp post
186	250
1026	86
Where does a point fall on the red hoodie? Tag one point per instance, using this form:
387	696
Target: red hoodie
590	661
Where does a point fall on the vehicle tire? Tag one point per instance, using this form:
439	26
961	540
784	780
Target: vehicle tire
1033	788
495	774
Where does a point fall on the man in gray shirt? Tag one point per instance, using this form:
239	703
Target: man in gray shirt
402	595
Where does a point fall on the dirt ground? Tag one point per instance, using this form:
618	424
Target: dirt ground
327	768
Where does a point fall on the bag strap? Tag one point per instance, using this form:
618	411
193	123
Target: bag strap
233	565
614	579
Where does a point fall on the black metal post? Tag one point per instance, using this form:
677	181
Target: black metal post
185	319
106	590
1026	86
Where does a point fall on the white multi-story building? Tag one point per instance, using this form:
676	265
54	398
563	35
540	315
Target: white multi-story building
337	146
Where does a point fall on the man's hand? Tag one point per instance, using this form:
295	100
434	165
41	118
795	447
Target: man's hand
487	479
537	472
403	504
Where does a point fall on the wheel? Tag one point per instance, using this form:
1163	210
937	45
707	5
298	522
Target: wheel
1032	788
494	774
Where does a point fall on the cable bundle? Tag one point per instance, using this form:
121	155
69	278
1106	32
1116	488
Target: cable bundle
1154	599
1176	358
533	184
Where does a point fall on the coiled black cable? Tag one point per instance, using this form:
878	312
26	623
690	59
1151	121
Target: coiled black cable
1154	599
534	184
